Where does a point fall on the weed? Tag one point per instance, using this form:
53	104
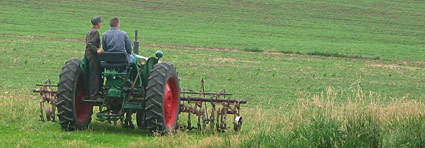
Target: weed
326	54
410	133
287	52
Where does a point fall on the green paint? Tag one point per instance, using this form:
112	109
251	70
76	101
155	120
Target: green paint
159	54
114	92
84	69
146	70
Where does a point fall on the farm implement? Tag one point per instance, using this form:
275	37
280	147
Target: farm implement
48	100
145	87
196	103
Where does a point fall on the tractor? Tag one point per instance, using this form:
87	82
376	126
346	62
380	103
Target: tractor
147	87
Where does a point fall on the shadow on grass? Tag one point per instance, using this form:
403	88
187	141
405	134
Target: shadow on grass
96	126
100	127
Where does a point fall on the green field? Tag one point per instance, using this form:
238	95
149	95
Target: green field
285	57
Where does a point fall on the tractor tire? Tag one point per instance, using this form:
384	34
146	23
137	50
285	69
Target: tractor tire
162	99
72	111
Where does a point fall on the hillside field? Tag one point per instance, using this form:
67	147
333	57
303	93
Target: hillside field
355	68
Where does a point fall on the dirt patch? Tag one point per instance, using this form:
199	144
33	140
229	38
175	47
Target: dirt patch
225	60
276	53
420	62
393	66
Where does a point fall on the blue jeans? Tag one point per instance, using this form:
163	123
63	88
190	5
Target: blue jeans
130	58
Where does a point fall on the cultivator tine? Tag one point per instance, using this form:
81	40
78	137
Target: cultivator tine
48	95
196	103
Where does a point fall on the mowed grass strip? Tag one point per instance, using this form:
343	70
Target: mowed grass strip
261	78
391	30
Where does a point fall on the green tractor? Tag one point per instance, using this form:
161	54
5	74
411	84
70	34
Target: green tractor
146	87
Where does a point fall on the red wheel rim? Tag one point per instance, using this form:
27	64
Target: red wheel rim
81	108
170	102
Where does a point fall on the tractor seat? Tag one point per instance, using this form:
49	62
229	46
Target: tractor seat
113	60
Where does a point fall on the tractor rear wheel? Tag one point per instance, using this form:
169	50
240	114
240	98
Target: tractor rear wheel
72	111
162	99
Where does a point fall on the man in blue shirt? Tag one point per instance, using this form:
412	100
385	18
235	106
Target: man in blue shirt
115	40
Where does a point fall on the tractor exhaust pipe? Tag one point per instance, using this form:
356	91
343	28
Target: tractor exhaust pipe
136	44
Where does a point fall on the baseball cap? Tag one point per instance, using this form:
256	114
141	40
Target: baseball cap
96	19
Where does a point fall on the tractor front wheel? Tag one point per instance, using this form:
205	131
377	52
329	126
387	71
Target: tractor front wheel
72	111
162	101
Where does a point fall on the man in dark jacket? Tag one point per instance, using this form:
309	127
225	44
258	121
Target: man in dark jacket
92	50
115	40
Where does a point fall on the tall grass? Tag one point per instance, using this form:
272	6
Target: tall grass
322	121
325	120
366	120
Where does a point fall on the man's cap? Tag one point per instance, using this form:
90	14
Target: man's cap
96	19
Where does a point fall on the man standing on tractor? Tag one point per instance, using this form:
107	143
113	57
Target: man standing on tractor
92	50
115	40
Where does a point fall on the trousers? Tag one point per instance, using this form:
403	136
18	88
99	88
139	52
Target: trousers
94	78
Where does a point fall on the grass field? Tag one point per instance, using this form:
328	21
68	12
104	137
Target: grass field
353	67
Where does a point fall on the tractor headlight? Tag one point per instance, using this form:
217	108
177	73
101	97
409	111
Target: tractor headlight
142	61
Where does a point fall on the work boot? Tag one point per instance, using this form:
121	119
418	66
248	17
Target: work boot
99	99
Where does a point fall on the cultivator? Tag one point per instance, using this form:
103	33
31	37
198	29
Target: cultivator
48	100
196	103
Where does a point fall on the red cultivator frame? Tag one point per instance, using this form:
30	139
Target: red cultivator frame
195	103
